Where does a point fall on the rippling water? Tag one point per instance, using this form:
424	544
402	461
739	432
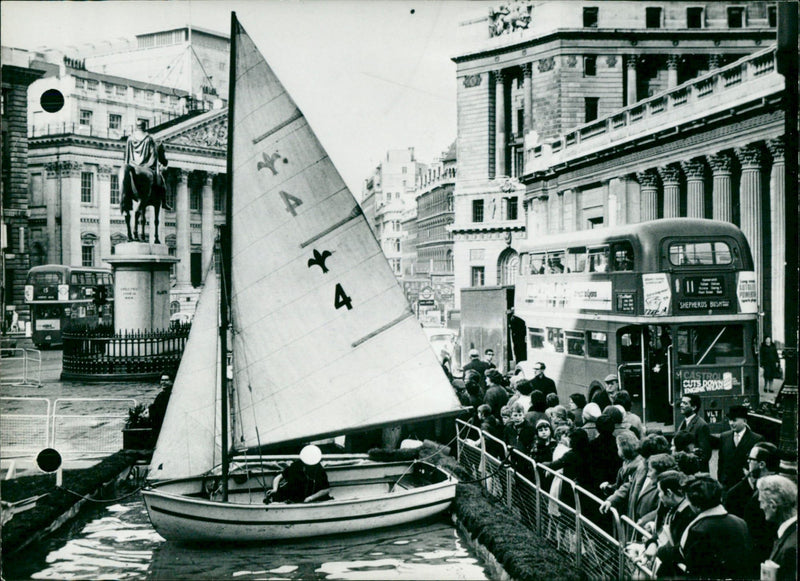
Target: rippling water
117	542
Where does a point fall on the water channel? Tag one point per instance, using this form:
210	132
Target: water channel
116	541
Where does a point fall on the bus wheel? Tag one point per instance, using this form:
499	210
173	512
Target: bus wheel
594	388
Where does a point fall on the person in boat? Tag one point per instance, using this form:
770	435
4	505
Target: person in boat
304	480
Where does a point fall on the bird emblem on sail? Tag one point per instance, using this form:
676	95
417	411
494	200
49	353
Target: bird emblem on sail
319	259
269	162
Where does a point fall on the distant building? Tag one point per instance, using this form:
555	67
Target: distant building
17	77
596	114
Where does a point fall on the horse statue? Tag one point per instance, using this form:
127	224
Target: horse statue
141	182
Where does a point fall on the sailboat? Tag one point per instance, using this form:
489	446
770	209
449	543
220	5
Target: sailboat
301	333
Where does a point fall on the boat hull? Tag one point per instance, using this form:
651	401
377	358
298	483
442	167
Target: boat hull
367	497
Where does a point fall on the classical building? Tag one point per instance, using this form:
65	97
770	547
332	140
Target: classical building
17	77
391	190
434	240
596	114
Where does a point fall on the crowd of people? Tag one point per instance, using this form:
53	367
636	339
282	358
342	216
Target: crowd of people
739	523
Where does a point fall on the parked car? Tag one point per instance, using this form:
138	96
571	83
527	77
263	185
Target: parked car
178	319
444	343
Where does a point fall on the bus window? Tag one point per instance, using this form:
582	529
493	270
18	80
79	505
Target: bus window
555	339
699	253
598	259
44	278
622	253
576	259
536	338
630	345
710	344
537	263
555	262
597	344
524	263
575	342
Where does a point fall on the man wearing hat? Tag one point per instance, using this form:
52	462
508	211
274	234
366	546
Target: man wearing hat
476	364
734	446
304	480
603	398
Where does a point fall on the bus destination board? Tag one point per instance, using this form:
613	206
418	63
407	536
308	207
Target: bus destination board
626	302
704	286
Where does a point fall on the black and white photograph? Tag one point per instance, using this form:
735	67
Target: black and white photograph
395	289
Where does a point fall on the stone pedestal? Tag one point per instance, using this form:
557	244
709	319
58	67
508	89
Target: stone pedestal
141	286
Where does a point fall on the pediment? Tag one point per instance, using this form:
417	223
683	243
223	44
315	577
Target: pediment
208	130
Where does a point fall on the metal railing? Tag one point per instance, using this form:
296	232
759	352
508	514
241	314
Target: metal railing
21	366
74	426
89	352
558	510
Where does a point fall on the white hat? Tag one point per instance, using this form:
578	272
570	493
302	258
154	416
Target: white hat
310	455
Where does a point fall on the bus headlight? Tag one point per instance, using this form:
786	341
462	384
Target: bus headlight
28	293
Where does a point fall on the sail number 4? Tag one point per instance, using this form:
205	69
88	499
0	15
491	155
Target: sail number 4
341	299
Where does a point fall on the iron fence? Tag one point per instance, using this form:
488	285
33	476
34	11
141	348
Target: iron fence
558	510
90	353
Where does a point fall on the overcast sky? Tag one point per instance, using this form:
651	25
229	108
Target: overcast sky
369	75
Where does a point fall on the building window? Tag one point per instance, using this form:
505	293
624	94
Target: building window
397	245
92	85
114	183
477	210
121	90
478	276
590	16
86	187
511	208
114	121
395	263
735	17
170	194
87	255
694	17
772	16
652	16
219	201
590	106
589	66
86	117
196	200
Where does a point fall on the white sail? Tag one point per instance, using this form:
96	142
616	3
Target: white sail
189	443
324	340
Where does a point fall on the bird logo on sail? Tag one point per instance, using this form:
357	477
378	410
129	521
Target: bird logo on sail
269	162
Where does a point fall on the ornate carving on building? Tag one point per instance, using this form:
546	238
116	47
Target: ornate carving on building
471	81
104	172
720	162
611	61
70	168
51	169
750	156
214	134
670	173
572	60
527	70
694	169
547	64
647	179
509	17
776	149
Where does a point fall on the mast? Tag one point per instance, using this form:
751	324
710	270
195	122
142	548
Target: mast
226	242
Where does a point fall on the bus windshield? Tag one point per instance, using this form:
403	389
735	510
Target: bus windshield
710	344
45	278
699	253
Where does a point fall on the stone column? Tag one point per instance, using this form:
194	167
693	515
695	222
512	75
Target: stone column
53	200
714	61
722	203
672	71
104	207
70	183
777	199
183	273
630	66
609	204
500	125
208	219
671	182
527	101
648	183
544	218
560	211
618	200
568	206
577	209
750	159
634	194
694	170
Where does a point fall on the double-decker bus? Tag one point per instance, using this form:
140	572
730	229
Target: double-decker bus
66	296
670	306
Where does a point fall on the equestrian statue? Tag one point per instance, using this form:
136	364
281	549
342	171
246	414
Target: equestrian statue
141	181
